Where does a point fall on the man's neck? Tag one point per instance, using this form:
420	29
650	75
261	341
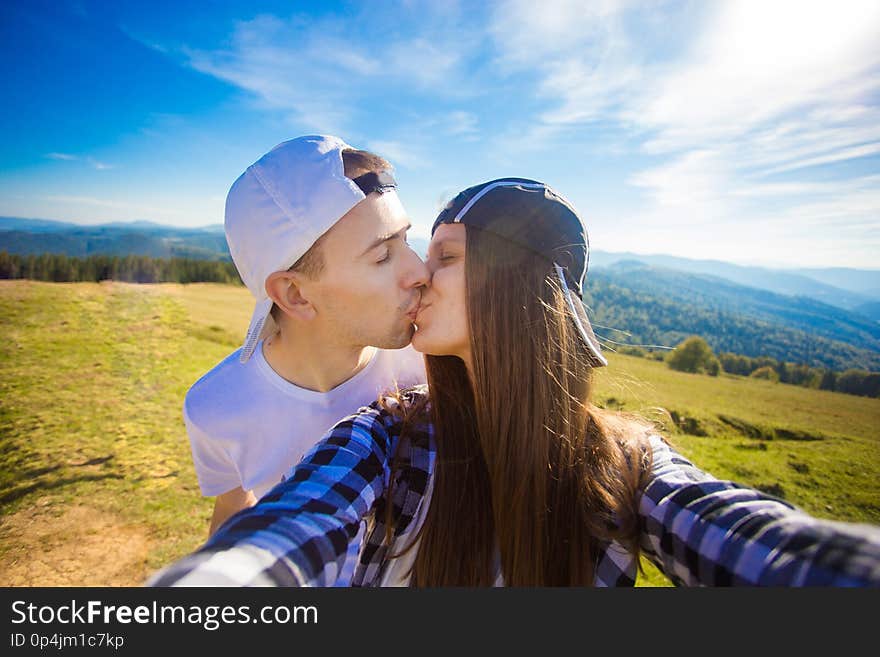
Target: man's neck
311	363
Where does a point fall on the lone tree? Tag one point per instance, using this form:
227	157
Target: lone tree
694	355
767	373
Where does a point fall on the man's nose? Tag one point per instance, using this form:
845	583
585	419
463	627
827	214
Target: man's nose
417	274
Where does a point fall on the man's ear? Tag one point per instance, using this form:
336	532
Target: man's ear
285	289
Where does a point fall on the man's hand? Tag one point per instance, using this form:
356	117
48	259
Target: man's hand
229	503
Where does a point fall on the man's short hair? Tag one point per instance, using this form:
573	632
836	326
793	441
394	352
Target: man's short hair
356	163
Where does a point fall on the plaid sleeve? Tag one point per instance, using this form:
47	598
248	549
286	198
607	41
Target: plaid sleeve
701	531
298	533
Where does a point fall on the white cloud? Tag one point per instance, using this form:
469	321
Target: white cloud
757	61
112	204
268	59
397	153
699	205
134	36
462	123
320	75
580	50
423	62
687	183
525	34
92	162
99	166
837	156
740	115
760	190
457	123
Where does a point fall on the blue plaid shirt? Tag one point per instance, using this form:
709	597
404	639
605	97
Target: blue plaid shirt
697	529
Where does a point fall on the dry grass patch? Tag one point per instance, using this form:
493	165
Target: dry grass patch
78	545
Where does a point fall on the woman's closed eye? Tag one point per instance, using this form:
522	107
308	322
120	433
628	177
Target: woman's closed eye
448	256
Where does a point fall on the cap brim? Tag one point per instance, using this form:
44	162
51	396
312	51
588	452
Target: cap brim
586	331
261	321
579	314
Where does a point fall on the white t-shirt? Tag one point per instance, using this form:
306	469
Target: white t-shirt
248	426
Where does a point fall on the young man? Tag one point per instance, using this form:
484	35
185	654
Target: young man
318	235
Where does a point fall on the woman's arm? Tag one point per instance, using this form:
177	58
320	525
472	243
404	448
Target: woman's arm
298	533
704	532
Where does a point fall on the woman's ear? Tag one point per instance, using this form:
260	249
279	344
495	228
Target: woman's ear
285	289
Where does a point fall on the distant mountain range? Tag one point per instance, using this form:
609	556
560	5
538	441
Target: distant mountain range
824	317
34	236
846	288
638	304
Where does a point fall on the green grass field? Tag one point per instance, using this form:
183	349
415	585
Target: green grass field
96	482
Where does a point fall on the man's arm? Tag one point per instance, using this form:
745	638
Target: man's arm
229	503
298	533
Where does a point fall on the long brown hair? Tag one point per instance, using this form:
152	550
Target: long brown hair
525	463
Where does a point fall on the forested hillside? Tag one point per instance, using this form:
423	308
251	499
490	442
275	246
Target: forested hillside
641	305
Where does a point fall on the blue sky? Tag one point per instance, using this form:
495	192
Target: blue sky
739	131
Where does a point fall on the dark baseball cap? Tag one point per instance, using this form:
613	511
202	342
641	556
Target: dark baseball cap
536	217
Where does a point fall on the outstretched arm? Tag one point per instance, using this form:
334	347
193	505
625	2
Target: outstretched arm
298	533
701	531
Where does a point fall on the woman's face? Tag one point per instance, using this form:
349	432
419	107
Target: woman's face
442	326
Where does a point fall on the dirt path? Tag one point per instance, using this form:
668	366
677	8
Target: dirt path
82	546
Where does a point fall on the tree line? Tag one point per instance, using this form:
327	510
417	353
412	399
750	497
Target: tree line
695	355
59	268
691	355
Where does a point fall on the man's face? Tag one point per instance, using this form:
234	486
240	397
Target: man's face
368	291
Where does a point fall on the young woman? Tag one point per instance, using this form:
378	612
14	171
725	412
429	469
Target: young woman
501	471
